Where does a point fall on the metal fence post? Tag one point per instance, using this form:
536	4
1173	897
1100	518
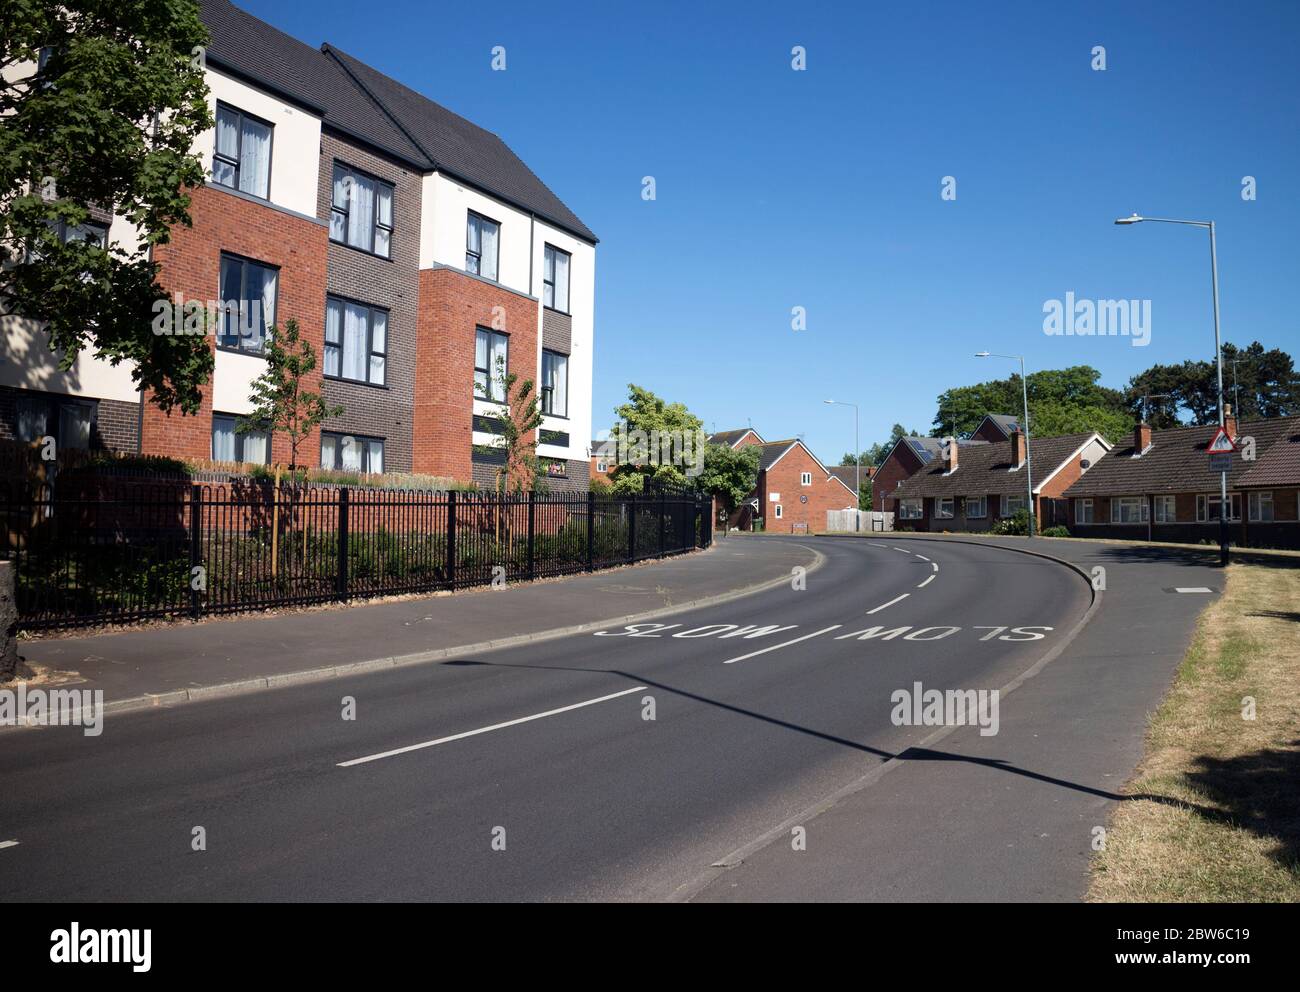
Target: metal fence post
663	520
631	528
196	547
451	540
591	531
532	564
341	585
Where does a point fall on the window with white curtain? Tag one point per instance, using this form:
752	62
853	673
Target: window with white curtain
242	159
356	341
910	509
1261	507
247	302
555	279
228	445
1013	503
351	452
361	215
1083	511
482	244
1165	509
69	422
977	507
1208	507
555	384
1128	510
491	358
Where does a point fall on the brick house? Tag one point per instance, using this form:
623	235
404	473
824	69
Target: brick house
740	438
795	489
1159	486
908	456
414	249
995	427
971	487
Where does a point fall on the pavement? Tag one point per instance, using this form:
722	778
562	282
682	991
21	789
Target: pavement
745	750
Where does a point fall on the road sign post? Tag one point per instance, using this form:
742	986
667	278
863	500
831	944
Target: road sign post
1220	449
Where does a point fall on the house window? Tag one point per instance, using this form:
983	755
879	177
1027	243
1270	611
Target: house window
89	232
242	159
356	341
943	507
977	507
482	246
555	384
228	445
1207	507
1128	510
1261	507
1083	511
778	511
555	279
910	509
351	453
1165	510
69	422
1013	503
362	212
602	465
491	350
247	303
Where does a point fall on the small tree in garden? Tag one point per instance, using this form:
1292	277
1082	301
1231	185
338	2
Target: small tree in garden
281	404
519	417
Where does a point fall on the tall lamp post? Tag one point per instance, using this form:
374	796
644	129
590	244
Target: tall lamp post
1029	468
1218	359
857	461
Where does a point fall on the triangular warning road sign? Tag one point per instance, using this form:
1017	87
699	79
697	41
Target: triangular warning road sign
1221	444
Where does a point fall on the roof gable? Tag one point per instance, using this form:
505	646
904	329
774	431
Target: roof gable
989	469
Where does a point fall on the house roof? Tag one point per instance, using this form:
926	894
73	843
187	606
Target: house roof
926	448
731	438
463	149
844	473
1177	462
362	102
987	468
771	452
1005	422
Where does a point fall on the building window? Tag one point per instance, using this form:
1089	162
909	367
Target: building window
242	159
943	507
1261	507
555	279
1013	503
602	465
1207	507
362	212
90	232
778	511
491	359
356	341
805	478
228	445
247	303
69	422
1128	510
482	246
1165	510
977	507
1083	511
555	384
351	453
910	509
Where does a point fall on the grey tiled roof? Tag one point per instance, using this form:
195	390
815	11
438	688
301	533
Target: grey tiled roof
772	450
1005	422
986	468
845	473
1177	462
731	437
1280	465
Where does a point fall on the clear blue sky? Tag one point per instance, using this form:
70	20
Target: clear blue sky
821	188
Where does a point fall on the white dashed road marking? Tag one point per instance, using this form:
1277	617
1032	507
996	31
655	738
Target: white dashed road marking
786	644
928	579
7	843
896	599
1193	589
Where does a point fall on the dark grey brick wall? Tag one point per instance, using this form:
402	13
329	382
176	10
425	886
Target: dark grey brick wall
391	283
557	331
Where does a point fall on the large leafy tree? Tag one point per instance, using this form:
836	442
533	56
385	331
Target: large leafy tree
729	474
108	121
875	454
1266	386
648	416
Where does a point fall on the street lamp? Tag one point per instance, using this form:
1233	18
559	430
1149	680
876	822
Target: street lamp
1029	468
1218	360
1152	396
857	460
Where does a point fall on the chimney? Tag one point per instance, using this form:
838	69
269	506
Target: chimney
1018	447
950	453
1141	438
1229	421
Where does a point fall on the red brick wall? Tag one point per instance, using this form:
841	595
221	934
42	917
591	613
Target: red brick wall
900	464
988	431
191	264
452	306
783	478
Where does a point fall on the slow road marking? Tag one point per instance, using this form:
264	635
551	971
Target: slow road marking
484	730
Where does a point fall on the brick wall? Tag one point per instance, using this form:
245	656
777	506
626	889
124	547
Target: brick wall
191	263
783	478
452	306
390	283
116	425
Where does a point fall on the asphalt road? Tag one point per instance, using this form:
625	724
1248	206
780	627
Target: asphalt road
545	751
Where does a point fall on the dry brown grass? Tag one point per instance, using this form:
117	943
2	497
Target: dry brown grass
1216	813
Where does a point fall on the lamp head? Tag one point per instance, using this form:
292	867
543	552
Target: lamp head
982	354
1135	219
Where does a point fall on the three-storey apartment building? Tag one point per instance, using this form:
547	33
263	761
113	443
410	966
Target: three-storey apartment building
414	249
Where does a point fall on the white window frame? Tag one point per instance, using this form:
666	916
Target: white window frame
939	512
1164	509
805	478
1118	505
981	501
1203	501
1006	503
1081	505
911	508
1254	504
778	510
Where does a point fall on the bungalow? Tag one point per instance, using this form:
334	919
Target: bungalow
1159	486
908	456
973	486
